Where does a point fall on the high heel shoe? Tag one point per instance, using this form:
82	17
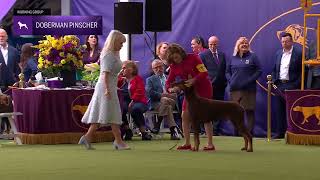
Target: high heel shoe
120	147
83	140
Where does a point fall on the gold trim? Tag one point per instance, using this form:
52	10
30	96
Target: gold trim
62	138
302	139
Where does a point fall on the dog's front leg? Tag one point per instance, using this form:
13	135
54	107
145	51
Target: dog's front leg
196	127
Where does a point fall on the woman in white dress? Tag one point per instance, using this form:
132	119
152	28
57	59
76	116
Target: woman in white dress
104	107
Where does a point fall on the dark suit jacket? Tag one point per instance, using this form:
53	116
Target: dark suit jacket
294	69
154	91
216	71
9	72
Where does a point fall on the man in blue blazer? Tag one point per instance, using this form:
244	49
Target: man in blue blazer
286	75
215	62
159	100
9	59
9	68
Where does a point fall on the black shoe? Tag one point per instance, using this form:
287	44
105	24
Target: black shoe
174	137
157	125
128	135
279	136
155	131
146	137
174	133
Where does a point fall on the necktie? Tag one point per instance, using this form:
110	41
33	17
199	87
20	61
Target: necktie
162	80
216	57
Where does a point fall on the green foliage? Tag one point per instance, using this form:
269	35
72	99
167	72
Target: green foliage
90	76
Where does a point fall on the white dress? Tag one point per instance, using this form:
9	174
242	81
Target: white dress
101	109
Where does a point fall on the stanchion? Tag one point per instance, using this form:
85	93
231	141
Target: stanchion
269	78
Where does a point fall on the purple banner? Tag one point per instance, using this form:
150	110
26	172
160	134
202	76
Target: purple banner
261	21
303	111
57	25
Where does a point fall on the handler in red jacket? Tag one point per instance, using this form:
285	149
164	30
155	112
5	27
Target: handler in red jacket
189	67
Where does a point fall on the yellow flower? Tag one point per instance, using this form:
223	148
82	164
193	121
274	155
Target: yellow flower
55	43
63	61
40	60
67	38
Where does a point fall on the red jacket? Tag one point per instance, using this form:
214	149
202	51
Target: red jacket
193	66
137	90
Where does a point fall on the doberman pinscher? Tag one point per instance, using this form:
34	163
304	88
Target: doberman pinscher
204	110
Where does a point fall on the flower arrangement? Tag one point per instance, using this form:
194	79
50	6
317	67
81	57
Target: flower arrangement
59	53
91	73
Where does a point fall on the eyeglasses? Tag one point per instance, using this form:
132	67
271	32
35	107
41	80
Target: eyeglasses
157	67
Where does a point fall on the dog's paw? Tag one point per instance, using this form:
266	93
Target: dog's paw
249	150
244	149
194	149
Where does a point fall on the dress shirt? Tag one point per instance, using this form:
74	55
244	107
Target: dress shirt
284	65
4	51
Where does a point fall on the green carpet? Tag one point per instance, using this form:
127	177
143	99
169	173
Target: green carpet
154	161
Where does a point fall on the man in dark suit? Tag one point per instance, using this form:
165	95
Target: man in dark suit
9	68
215	62
159	100
286	75
9	59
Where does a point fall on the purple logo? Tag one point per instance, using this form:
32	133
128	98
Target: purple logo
305	113
57	25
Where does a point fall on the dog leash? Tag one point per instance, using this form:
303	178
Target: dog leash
179	132
174	145
278	91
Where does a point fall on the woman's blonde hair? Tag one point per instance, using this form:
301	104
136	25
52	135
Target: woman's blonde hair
159	46
133	65
238	42
109	44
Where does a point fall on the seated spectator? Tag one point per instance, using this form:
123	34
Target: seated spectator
5	106
160	100
28	63
126	132
92	53
138	103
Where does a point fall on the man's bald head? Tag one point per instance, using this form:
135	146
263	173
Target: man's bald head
213	43
3	37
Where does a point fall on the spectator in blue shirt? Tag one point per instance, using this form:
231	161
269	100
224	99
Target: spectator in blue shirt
242	72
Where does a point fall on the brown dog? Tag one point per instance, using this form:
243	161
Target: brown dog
5	103
204	110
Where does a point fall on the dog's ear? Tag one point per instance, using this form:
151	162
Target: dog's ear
187	85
